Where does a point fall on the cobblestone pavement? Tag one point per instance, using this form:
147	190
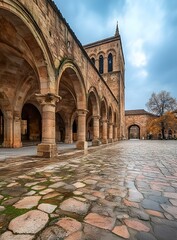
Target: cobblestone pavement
126	190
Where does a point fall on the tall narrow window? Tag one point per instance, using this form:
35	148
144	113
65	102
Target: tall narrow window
110	62
101	64
93	60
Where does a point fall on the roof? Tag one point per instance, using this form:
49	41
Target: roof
137	112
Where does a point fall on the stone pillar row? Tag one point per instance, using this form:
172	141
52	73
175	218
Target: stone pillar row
48	147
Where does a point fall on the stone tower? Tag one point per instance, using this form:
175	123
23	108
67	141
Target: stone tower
107	56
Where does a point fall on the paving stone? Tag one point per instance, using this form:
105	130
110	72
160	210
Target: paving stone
10	201
163	232
145	236
77	193
27	202
159	199
130	204
73	205
134	195
100	221
90	181
121	231
137	213
152	205
46	191
79	184
10	236
70	225
173	201
57	185
117	192
1	197
75	236
90	197
170	195
14	191
38	187
137	225
51	195
31	184
29	223
52	233
154	213
170	209
12	184
32	192
46	207
122	215
94	233
81	199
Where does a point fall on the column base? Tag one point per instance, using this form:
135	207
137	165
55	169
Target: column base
104	141
81	145
7	144
46	150
68	141
96	142
110	140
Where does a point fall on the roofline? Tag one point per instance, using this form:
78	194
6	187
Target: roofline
55	8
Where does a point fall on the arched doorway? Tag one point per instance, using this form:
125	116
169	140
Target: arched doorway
30	124
103	122
1	127
134	132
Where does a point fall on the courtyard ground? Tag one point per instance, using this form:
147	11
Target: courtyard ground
126	190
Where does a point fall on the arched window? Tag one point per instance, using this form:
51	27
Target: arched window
110	62
101	64
93	60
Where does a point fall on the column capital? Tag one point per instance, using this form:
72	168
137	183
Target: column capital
48	98
96	117
82	111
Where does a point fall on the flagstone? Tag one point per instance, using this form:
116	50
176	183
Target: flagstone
170	209
38	187
1	197
32	192
137	225
70	225
79	184
52	233
29	223
121	231
130	204
173	201
73	205
100	221
10	236
90	181
78	193
90	197
46	207
46	191
154	213
134	195
57	185
51	195
75	236
170	195
12	184
31	184
27	202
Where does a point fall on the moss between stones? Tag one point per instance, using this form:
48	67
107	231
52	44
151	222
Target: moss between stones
14	212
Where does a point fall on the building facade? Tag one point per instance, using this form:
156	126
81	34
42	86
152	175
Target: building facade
136	123
51	89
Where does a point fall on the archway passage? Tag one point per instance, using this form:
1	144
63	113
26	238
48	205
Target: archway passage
31	124
60	128
1	127
134	132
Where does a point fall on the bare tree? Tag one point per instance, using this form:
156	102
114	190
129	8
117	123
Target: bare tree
159	104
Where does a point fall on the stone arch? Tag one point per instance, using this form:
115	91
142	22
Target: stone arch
31	125
1	127
104	109
134	131
94	100
20	32
70	78
110	115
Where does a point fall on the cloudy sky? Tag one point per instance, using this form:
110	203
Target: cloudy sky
148	30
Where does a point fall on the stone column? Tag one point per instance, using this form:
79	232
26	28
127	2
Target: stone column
115	133
96	131
8	130
105	132
110	133
17	130
68	132
81	129
48	147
